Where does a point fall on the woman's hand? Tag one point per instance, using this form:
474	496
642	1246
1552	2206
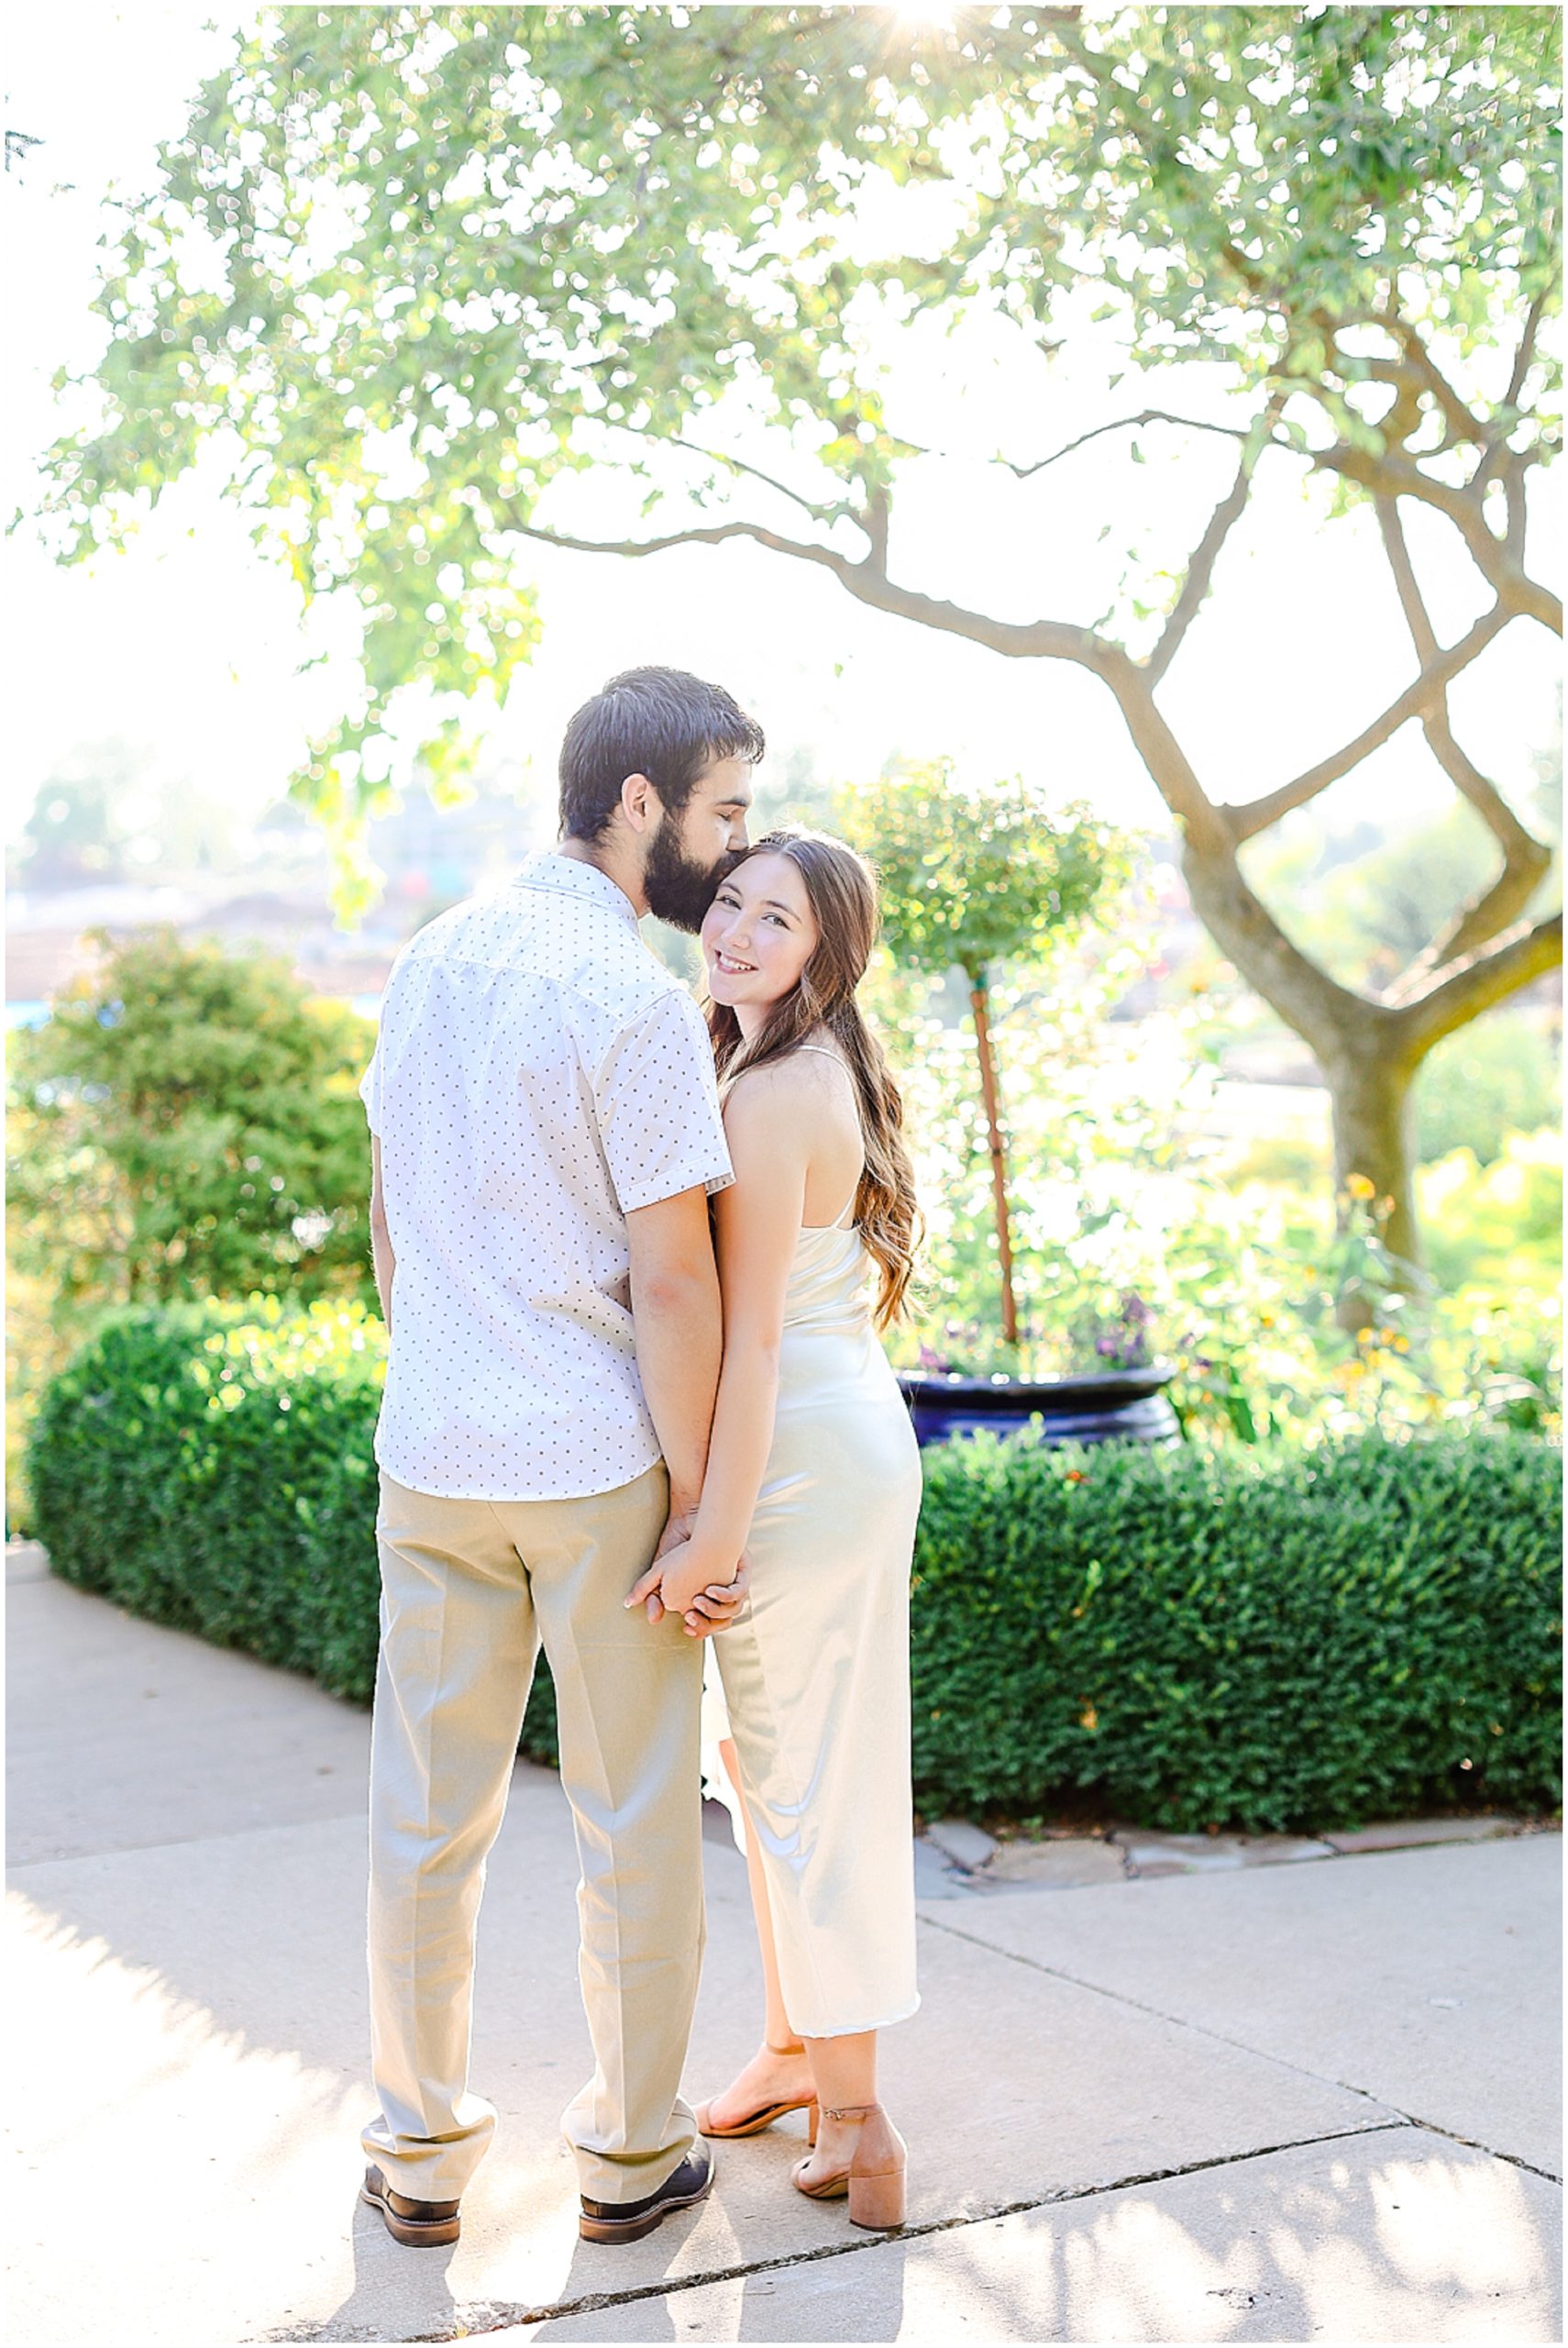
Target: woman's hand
681	1581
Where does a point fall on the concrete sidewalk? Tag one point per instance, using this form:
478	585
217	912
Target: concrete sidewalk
1290	2102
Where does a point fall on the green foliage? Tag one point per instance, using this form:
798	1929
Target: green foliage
1497	1226
212	1467
1124	1214
1266	1640
970	877
186	1123
1272	1642
1501	1076
973	875
415	268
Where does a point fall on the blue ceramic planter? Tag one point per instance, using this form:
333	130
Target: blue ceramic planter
1103	1406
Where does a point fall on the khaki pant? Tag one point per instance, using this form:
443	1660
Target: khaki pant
468	1588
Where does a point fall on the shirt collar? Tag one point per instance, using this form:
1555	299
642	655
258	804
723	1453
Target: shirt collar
549	869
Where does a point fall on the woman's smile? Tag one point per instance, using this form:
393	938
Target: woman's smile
760	926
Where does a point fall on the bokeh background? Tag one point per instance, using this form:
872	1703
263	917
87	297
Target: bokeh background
1170	1135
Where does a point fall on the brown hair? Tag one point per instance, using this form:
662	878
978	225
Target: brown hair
842	890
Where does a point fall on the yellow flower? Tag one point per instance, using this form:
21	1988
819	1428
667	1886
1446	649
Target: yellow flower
1360	1188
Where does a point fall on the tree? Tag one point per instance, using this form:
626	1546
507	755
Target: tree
970	878
104	815
77	834
414	269
187	1125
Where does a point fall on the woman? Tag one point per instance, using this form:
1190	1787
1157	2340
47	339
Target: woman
813	1469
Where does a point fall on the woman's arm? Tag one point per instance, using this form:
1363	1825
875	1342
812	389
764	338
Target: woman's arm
768	1122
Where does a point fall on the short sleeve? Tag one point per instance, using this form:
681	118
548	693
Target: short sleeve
658	1107
370	1090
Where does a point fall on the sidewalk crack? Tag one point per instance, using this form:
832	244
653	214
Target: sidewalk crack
493	2316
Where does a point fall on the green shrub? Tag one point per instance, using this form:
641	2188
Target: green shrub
1285	1639
211	1467
1498	1225
1498	1076
186	1123
1270	1639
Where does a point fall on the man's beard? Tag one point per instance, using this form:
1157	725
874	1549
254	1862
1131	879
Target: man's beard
677	890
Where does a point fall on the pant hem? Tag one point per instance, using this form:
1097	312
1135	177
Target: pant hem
644	2191
853	2029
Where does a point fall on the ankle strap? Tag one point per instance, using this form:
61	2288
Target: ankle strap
849	2110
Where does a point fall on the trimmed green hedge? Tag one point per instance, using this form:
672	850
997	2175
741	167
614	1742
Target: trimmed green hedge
1272	1641
1266	1640
211	1468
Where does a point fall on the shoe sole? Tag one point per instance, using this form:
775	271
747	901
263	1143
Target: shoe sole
753	2123
412	2235
607	2230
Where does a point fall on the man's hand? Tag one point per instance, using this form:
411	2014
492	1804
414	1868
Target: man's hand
677	1527
704	1611
677	1531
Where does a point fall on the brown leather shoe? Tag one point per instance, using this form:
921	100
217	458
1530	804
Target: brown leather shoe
419	2225
630	2221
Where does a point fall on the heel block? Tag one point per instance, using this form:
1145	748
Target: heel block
877	2201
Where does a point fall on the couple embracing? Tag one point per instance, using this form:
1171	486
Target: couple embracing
633	1266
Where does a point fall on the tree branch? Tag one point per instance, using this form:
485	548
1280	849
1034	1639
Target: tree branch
1027	641
1255	815
878	522
1525	860
1514	466
1200	569
712	534
1388	476
1524	358
1123	423
1477	984
1476	922
1422	633
826	515
1311	1001
1461	419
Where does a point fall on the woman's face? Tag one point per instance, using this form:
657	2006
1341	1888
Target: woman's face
760	934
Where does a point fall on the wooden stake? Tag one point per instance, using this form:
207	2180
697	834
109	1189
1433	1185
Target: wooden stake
978	1005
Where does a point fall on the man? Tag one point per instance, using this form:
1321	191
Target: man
546	1134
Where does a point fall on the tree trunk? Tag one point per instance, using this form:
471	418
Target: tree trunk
1362	1048
1373	1142
979	1004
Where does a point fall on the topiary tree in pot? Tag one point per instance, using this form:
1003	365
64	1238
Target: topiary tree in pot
973	877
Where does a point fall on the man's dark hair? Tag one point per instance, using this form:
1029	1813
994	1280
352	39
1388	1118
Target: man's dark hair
658	722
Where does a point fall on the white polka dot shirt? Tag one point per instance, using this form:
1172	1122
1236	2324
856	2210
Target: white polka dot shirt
538	1076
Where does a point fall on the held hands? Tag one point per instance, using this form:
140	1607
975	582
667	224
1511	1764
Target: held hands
678	1583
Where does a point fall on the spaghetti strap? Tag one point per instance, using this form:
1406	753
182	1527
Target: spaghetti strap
838	1222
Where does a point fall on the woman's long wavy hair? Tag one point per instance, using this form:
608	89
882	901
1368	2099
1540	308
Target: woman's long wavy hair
842	890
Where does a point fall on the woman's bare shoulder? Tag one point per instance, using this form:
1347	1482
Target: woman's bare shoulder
782	1093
